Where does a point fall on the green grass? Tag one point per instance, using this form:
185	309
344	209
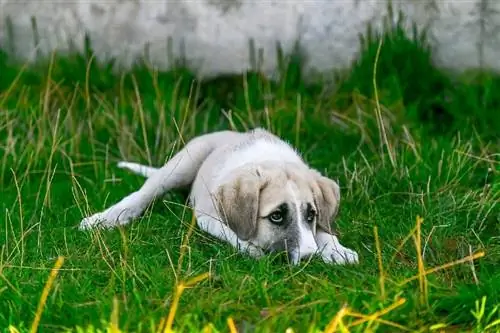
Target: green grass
64	125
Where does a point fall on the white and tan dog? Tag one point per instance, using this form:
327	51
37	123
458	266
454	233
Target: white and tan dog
250	189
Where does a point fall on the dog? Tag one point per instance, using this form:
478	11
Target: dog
250	189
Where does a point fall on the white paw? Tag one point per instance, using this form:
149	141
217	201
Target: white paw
108	219
339	255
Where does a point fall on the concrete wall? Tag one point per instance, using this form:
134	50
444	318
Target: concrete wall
214	36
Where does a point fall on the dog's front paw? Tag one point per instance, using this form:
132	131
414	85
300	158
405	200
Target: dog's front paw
339	255
108	219
91	222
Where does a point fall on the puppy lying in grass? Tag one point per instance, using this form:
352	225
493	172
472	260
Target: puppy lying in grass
250	189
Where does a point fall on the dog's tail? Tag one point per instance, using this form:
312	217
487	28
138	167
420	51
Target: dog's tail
137	168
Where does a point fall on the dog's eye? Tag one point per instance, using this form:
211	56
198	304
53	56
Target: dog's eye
276	217
311	215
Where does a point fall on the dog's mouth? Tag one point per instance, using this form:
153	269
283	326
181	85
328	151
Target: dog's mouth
288	251
293	257
284	245
285	251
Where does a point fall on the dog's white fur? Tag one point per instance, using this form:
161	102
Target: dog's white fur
250	189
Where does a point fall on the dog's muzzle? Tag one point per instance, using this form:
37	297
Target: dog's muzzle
295	251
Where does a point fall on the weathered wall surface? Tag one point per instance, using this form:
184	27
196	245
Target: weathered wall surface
230	36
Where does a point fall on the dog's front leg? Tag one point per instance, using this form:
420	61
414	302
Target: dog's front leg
179	171
332	251
134	204
216	228
120	213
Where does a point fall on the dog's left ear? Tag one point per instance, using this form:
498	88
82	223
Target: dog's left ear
238	202
327	199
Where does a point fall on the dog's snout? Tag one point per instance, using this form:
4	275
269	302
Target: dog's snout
307	245
296	246
307	251
298	254
303	251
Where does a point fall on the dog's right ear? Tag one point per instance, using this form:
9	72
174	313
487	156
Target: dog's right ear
238	202
327	197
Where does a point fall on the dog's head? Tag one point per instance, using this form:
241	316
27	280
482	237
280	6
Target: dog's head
279	207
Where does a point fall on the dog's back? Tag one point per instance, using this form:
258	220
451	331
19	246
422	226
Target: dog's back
187	162
252	147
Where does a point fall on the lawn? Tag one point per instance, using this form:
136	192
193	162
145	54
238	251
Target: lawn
416	153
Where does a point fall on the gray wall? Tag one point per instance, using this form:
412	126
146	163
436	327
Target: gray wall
213	35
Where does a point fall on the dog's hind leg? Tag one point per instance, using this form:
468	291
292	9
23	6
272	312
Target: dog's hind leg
180	171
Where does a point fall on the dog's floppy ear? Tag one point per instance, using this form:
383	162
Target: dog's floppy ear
327	198
238	202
